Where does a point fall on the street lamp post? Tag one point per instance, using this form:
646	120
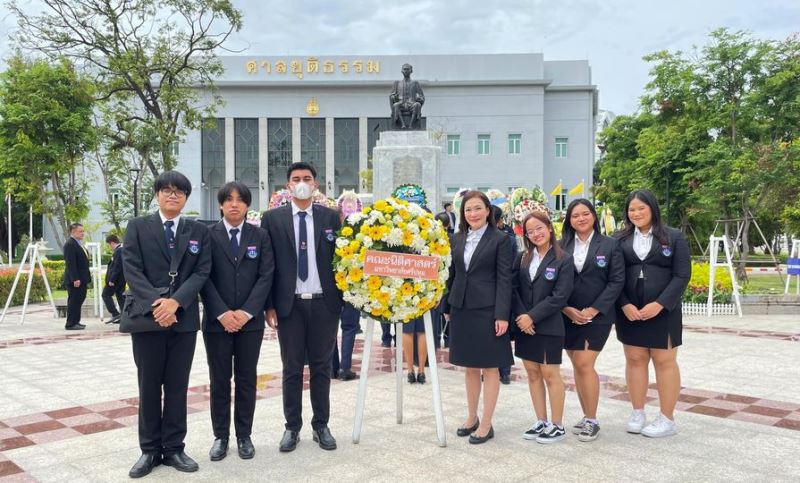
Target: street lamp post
135	174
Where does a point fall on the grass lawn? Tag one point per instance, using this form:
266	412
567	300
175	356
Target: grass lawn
769	283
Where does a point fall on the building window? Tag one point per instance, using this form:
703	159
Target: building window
312	148
115	200
451	190
212	162
345	155
173	148
246	156
375	126
561	147
453	144
484	142
484	189
561	200
514	143
279	151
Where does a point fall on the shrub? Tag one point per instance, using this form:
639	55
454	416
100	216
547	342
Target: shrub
55	273
697	291
38	292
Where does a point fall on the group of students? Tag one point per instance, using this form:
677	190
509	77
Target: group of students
566	294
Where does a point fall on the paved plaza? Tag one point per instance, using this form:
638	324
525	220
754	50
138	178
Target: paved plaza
68	413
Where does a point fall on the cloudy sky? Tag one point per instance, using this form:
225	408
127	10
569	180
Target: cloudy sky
613	34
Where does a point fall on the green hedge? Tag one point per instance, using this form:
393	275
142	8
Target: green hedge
38	292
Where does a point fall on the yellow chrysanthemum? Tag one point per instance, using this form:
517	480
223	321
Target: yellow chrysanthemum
408	237
376	232
423	223
373	283
381	205
407	289
405	215
355	275
347	231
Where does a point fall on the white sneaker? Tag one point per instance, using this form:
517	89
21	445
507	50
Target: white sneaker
579	426
636	422
660	427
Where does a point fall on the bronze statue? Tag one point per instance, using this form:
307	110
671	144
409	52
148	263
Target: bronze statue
406	100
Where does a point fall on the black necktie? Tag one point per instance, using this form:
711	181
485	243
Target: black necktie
234	242
170	237
302	257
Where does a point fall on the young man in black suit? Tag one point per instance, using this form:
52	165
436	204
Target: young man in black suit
304	304
233	324
115	280
76	275
167	259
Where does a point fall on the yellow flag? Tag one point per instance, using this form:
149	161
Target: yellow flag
557	190
578	189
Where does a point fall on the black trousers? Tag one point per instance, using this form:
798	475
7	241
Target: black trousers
309	330
163	360
75	298
108	295
233	354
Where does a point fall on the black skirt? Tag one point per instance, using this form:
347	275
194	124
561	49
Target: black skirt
656	333
544	349
473	342
577	336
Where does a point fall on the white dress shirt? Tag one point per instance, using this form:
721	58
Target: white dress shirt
229	227
312	284
642	242
535	262
473	238
175	220
581	251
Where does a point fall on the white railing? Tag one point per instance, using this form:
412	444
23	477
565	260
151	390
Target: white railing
690	308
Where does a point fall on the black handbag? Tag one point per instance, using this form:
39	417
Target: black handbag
137	316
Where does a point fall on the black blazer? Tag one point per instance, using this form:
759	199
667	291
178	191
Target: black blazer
76	263
601	281
278	222
667	270
487	283
114	272
146	263
543	297
243	283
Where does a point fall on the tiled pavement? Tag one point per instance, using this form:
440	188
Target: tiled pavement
68	413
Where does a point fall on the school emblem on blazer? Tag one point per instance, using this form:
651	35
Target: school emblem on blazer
550	273
329	235
666	250
601	261
194	247
252	251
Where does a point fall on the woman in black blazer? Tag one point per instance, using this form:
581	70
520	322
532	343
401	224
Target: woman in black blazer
542	277
658	268
478	308
591	308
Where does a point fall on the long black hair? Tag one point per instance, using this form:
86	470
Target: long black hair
463	226
567	232
657	226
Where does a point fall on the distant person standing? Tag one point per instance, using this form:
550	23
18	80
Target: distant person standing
448	210
115	280
76	275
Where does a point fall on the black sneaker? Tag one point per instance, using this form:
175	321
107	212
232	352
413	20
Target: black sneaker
579	426
589	432
552	434
535	430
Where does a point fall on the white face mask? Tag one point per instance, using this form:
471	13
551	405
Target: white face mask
302	191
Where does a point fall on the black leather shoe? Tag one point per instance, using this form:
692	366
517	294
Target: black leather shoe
219	450
75	327
421	378
246	448
347	375
473	439
325	439
386	344
505	379
462	431
181	462
289	441
412	379
145	465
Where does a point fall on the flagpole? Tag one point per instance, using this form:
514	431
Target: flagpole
10	248
583	187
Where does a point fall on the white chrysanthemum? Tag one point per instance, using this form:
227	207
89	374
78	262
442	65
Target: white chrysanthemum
342	242
395	237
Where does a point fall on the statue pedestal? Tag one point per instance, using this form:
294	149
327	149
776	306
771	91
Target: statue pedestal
406	157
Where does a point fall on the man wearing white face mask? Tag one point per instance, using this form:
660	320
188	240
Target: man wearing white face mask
304	303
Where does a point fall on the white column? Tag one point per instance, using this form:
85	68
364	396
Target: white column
330	178
263	164
363	151
230	150
296	146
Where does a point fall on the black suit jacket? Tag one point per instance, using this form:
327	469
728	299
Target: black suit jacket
601	281
115	272
146	263
543	297
241	283
280	225
667	270
487	283
76	263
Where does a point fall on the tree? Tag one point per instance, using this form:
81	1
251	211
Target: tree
45	129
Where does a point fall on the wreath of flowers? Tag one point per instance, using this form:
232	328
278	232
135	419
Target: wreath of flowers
284	197
390	225
253	217
524	201
412	193
349	202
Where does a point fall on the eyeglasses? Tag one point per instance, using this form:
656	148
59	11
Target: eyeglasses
167	192
536	231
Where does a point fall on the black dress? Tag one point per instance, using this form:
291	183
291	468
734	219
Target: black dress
665	273
477	297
